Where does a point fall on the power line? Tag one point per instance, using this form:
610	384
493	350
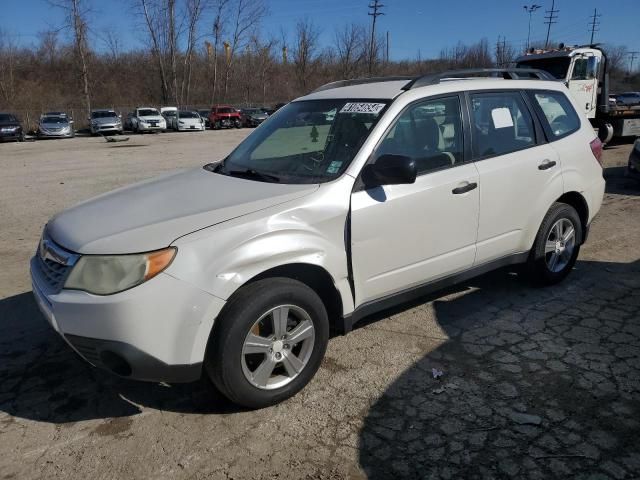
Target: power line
530	9
551	17
374	13
595	23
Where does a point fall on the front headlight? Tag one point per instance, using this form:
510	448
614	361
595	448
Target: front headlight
109	274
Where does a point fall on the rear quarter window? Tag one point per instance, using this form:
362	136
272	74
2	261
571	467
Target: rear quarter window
558	116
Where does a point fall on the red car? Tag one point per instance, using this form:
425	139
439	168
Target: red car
224	116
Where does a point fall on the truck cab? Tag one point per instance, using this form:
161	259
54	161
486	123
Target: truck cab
584	71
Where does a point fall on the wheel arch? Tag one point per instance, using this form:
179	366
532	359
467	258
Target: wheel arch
577	201
316	278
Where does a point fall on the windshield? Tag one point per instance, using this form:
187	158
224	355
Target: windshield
147	112
226	110
103	114
203	113
556	66
186	114
5	118
311	141
54	120
252	111
169	113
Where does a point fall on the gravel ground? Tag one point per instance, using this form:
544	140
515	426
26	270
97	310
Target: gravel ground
536	383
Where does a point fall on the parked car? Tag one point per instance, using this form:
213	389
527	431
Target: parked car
128	123
224	116
188	120
105	121
633	167
252	117
10	128
268	110
55	125
147	119
628	99
240	268
169	114
205	116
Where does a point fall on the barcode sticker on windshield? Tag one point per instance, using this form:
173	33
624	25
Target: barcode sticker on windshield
372	108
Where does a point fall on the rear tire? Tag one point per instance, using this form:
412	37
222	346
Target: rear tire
250	321
557	245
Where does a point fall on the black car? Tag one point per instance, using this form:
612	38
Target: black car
10	128
628	99
633	168
205	116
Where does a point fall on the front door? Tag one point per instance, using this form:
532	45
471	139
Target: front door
407	235
583	83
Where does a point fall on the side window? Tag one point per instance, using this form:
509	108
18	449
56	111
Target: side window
585	68
430	132
561	118
501	124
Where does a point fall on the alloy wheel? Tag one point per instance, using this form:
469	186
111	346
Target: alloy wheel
278	347
560	244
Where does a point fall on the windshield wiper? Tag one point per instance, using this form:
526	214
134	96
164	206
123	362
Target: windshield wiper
251	173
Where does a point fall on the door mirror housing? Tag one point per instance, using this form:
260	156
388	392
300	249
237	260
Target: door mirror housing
390	170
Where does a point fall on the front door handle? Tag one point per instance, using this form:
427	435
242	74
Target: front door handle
546	165
464	189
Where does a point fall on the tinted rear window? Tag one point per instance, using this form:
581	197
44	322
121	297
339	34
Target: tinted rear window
559	117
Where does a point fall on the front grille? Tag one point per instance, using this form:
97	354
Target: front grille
53	273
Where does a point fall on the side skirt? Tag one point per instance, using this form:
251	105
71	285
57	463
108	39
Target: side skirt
374	306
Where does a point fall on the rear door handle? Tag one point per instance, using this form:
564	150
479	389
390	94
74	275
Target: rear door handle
464	189
546	165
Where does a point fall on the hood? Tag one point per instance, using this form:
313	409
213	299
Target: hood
152	214
258	116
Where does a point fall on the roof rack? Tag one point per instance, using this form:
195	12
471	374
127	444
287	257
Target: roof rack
361	81
505	73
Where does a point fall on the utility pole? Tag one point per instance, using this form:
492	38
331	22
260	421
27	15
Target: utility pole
375	6
551	16
530	9
501	48
633	56
595	23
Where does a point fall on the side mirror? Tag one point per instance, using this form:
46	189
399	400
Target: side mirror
390	170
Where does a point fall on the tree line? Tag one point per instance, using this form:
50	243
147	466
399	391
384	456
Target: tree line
202	52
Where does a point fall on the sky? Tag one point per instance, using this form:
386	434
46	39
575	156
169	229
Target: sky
416	27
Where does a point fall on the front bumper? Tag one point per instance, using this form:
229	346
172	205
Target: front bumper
157	331
191	128
50	134
146	127
11	135
116	127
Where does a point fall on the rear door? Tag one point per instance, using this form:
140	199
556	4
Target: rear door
406	235
520	173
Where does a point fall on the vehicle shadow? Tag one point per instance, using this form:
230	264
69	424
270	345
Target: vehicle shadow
42	378
618	184
536	383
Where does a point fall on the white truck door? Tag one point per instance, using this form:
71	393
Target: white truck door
583	82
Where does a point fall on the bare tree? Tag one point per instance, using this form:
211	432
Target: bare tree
220	7
113	44
305	51
76	14
153	20
194	11
247	15
351	49
49	45
8	52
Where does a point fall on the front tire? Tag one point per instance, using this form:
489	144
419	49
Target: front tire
268	343
557	245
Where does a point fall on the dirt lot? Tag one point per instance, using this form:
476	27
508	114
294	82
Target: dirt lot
537	383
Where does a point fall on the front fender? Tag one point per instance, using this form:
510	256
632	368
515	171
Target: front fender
222	258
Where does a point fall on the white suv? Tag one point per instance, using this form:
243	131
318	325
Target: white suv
356	197
148	119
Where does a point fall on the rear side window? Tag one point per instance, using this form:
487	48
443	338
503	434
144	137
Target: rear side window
501	124
560	118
